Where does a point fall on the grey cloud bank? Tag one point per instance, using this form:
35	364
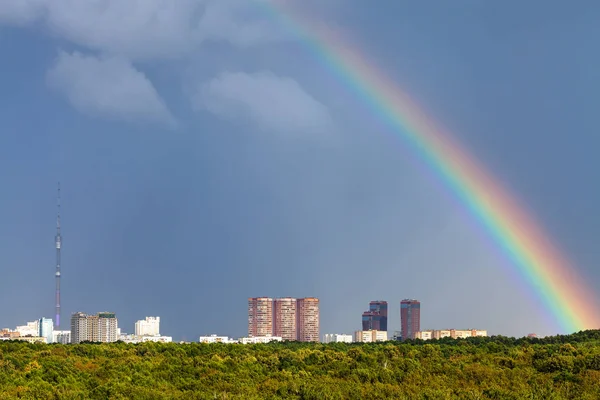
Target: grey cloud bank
107	87
274	103
149	29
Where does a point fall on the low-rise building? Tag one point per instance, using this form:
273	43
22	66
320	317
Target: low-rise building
337	338
370	336
141	339
451	333
216	339
260	339
63	337
31	329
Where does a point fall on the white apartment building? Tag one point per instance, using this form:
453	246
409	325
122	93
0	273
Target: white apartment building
141	339
63	337
31	329
260	339
148	327
337	338
216	339
370	336
451	333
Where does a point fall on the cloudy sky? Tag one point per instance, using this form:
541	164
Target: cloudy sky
206	155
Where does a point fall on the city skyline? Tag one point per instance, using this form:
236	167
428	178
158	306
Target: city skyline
211	155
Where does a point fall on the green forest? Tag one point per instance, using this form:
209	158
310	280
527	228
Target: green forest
558	367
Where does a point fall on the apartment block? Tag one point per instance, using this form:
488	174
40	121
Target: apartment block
285	318
370	336
102	327
260	316
308	319
148	327
337	338
451	333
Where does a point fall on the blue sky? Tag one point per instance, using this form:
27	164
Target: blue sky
206	156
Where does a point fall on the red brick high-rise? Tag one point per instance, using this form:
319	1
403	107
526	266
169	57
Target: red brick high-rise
260	316
285	318
308	319
410	318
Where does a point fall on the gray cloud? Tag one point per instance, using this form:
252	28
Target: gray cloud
20	12
107	87
272	102
146	29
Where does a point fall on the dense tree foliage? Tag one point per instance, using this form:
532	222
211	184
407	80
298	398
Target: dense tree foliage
560	367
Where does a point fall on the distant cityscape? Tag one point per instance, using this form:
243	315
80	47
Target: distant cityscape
269	319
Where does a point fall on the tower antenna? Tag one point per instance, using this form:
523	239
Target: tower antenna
58	240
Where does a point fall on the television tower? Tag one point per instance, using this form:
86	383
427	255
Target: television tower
58	240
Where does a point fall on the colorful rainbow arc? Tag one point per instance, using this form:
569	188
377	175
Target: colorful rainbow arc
544	269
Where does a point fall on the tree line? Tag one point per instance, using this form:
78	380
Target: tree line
558	367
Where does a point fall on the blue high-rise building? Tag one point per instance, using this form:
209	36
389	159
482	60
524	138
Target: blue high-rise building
46	327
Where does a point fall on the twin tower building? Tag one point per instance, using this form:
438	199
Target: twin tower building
288	318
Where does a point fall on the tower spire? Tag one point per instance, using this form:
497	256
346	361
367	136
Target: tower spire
58	241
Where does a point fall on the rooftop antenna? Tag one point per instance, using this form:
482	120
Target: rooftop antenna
58	240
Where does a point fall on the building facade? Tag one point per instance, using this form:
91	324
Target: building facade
215	339
370	336
410	318
62	337
102	327
308	322
377	316
285	318
107	327
451	333
148	327
46	327
31	329
337	338
260	316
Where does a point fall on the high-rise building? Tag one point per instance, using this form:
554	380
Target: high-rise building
308	319
376	317
107	327
102	327
410	318
260	316
148	327
79	327
46	327
285	318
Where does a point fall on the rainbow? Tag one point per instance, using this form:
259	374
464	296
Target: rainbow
548	274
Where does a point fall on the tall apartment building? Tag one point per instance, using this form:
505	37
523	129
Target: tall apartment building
102	327
410	318
148	327
79	327
308	319
107	327
285	318
377	316
260	316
